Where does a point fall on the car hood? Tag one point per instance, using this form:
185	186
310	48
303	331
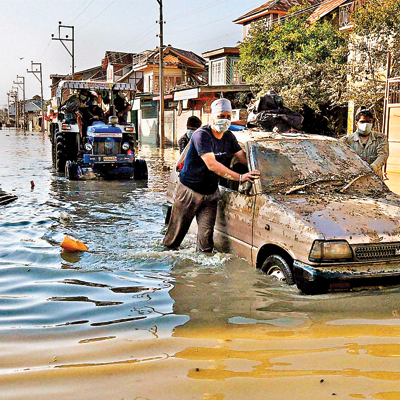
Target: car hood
358	220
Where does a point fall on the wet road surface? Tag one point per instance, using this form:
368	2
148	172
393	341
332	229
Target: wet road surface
128	319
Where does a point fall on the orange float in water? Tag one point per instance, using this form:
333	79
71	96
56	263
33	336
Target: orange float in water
71	244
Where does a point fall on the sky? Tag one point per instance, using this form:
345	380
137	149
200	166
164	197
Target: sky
106	25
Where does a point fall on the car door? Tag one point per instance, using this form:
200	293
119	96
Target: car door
233	228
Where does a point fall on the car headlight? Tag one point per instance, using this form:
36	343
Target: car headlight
125	146
88	147
335	250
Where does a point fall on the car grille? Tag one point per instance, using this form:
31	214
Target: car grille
107	148
378	251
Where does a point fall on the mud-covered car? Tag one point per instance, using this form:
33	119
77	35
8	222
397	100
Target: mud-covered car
318	216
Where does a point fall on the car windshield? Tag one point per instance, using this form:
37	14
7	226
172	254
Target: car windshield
286	165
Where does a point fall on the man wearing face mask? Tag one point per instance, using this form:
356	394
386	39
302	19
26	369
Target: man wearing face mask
197	194
371	146
192	124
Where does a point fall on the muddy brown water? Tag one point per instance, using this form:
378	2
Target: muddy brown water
129	320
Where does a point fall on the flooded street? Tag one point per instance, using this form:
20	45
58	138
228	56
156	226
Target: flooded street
130	320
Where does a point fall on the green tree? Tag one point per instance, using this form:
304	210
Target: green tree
305	63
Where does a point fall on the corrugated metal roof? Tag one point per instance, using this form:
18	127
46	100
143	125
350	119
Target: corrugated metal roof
117	58
189	54
324	9
274	5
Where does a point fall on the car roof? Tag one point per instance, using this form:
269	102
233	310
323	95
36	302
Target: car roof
255	135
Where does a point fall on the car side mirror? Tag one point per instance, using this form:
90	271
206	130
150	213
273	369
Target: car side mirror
245	187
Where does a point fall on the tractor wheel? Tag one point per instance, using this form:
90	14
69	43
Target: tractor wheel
60	153
141	172
71	170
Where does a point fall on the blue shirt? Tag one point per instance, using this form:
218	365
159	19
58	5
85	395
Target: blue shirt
195	174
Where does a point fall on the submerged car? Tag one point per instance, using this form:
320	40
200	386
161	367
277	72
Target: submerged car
317	217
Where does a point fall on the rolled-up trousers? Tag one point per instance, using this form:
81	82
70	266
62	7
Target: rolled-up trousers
187	205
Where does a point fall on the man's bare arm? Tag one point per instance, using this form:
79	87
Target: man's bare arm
220	169
241	157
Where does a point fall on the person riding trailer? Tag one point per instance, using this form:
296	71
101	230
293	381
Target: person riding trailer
75	109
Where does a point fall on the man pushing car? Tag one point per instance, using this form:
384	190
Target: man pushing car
197	194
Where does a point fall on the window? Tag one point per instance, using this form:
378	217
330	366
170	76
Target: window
236	78
218	73
344	15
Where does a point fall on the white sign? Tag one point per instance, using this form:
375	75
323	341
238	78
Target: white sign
186	94
110	73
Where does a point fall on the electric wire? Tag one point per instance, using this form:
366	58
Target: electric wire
215	3
209	23
82	11
185	30
302	11
45	49
143	35
76	9
101	12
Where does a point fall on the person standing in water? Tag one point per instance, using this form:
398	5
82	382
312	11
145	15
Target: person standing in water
197	194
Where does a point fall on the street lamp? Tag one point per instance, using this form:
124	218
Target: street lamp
66	39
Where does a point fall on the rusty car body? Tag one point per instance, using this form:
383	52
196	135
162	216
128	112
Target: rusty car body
318	215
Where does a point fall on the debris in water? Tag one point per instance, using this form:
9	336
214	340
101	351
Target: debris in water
72	244
65	217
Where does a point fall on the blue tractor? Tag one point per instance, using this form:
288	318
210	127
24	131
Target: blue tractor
102	147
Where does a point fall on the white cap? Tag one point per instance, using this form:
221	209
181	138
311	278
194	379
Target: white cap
220	105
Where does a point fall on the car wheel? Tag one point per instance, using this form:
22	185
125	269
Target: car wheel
71	170
277	267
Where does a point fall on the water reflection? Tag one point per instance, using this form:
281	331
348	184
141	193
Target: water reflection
212	321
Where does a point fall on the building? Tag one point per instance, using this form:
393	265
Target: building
270	12
337	10
33	113
182	70
222	81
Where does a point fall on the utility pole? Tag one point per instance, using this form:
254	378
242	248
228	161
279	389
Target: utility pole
16	106
23	96
8	107
161	76
62	40
34	72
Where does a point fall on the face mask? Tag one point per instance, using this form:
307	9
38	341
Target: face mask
221	125
190	132
94	103
364	128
